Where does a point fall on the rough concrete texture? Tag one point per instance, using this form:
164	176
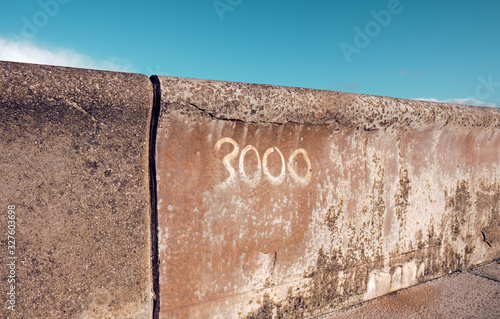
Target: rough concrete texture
460	295
489	271
74	164
277	202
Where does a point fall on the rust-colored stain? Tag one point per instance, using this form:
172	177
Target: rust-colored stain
265	215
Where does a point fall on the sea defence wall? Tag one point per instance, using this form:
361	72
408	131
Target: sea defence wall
278	202
129	197
75	197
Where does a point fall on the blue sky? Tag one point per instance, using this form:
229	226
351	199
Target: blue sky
438	50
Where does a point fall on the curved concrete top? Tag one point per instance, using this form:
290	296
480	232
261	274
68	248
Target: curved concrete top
92	92
260	104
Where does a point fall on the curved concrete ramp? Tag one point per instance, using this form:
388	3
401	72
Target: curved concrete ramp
277	202
75	193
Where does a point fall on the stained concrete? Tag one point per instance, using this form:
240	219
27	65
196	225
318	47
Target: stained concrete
278	202
74	163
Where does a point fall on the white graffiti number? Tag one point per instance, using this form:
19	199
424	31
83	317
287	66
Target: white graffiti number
244	176
227	158
302	180
274	180
262	166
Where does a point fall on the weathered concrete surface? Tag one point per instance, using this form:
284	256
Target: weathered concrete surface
489	271
288	203
74	163
460	295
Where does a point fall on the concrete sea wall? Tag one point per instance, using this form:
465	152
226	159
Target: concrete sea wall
74	168
287	203
130	197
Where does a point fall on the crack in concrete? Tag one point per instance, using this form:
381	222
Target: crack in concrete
221	118
484	239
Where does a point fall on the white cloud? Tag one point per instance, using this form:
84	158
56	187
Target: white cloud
467	101
427	100
351	86
28	52
404	72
